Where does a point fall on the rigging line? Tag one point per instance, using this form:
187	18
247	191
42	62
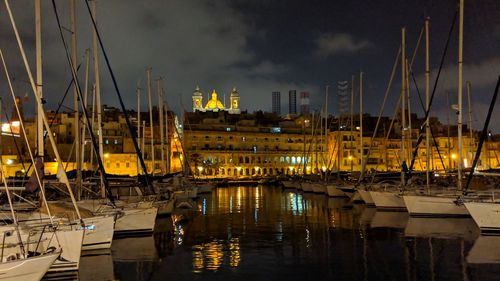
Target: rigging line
85	113
414	155
388	134
422	127
361	175
11	90
59	105
133	133
484	134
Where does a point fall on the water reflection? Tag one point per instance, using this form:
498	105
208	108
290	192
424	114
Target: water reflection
212	255
264	233
96	265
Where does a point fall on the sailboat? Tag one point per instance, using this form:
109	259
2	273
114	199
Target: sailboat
392	199
450	204
136	218
15	263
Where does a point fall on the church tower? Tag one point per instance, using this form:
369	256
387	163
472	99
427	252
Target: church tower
234	98
197	100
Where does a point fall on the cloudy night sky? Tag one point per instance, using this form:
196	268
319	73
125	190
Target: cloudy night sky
261	46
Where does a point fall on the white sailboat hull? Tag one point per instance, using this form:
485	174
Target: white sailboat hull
306	187
434	206
69	240
290	184
384	200
136	221
333	191
366	197
71	245
98	230
33	268
318	188
486	216
98	233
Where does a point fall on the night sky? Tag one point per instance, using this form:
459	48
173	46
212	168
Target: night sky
261	46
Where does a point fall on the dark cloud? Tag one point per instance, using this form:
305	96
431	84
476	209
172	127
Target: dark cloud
335	44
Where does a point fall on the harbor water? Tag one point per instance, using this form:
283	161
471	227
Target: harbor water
266	233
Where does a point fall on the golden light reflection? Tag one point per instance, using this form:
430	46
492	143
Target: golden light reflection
197	258
210	256
234	252
257	198
214	254
332	219
238	198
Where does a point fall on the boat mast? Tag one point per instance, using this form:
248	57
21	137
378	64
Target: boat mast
427	104
166	133
408	104
98	94
459	115
85	102
150	104
323	146
92	121
75	102
139	136
352	121
362	167
39	80
64	177
471	145
160	116
403	87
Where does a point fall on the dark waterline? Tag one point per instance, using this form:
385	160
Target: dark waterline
264	233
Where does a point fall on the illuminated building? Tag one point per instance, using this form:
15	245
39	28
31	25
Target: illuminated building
220	143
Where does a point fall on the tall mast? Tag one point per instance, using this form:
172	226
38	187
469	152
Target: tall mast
92	121
39	82
75	101
323	145
98	93
150	104
427	103
166	133
143	139
139	136
361	121
85	102
38	100
352	121
469	101
403	87
408	107
160	116
460	84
